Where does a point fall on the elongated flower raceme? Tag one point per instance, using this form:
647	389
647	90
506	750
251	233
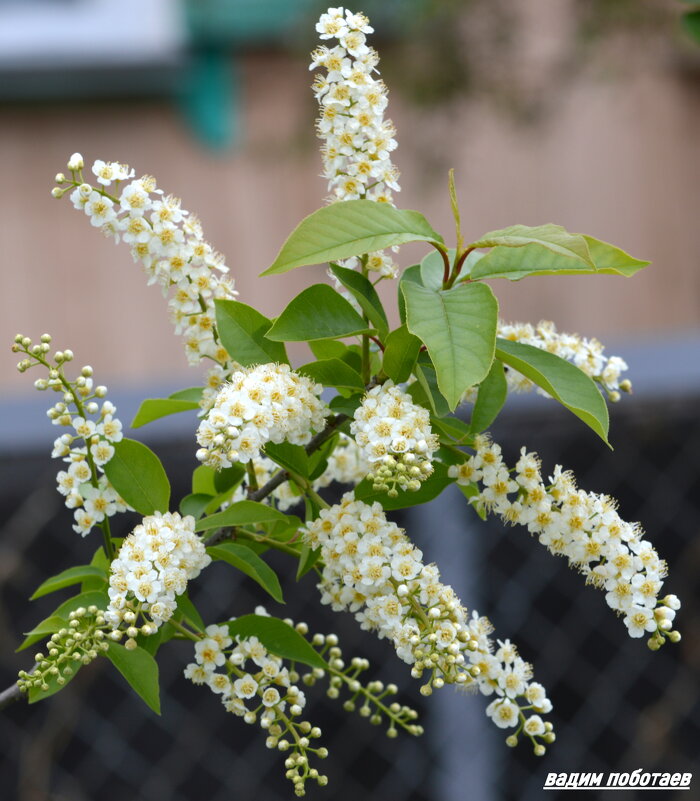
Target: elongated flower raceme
395	437
89	444
587	354
255	684
373	570
169	243
267	403
358	141
152	568
582	526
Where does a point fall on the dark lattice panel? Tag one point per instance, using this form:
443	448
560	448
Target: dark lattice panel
617	705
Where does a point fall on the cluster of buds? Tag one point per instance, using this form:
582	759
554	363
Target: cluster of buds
75	645
83	409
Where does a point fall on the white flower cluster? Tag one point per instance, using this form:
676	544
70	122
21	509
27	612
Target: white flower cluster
152	568
586	354
168	241
373	570
254	684
83	484
266	403
357	139
395	437
582	526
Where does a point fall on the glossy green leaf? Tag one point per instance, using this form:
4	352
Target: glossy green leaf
195	504
139	669
432	268
42	630
188	611
430	489
518	263
242	513
458	327
307	559
278	637
400	354
98	598
427	378
73	575
350	228
453	429
561	379
329	349
291	457
189	394
242	330
155	408
552	237
100	561
413	276
346	406
490	398
333	373
204	480
229	477
251	564
137	475
365	294
318	312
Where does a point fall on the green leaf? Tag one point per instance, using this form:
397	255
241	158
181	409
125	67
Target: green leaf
139	669
47	626
691	24
490	398
229	477
611	260
251	564
73	575
204	480
318	312
365	294
453	429
278	637
242	513
155	408
137	475
561	379
341	405
291	457
152	642
98	598
333	373
427	378
518	263
193	394
307	559
413	276
458	327
187	610
195	504
242	330
350	228
432	268
552	237
329	349
430	488
400	354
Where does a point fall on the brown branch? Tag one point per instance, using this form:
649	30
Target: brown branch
9	696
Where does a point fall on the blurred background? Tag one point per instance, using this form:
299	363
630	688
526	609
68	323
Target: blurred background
579	112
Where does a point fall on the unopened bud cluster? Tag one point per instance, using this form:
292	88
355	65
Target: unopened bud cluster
169	243
82	409
373	570
255	685
68	649
152	568
267	403
395	437
582	526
